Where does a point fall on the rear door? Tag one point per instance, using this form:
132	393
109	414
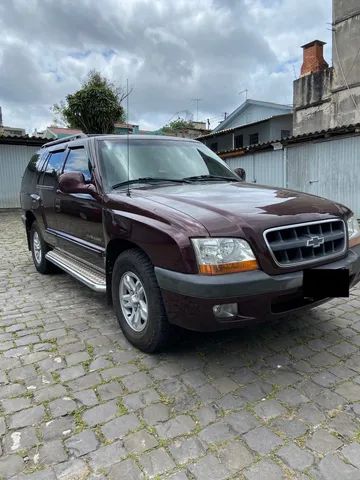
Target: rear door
79	215
47	187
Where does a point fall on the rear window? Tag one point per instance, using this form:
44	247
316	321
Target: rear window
55	163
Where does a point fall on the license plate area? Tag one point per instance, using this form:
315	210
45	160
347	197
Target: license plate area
326	282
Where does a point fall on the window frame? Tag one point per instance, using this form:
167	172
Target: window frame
242	140
253	135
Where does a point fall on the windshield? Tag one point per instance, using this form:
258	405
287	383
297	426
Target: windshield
163	159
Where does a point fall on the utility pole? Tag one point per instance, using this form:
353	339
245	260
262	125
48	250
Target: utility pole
197	100
225	115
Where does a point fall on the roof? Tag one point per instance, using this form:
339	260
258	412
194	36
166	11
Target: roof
229	130
244	105
305	137
64	130
22	140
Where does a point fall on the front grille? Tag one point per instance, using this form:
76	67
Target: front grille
306	242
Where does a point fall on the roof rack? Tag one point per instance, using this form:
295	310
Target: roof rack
65	140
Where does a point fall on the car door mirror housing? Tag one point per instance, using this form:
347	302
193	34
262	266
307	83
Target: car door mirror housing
240	172
74	182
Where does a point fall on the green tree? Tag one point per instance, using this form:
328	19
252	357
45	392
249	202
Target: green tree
95	108
177	125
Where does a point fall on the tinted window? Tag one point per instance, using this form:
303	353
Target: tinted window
55	163
78	161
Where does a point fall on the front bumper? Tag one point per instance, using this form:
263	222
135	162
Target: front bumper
189	299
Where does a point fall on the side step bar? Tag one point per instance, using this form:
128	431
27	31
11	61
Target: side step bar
86	275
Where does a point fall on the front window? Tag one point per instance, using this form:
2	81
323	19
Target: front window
162	159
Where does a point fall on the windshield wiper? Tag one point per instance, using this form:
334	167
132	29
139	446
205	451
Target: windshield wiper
211	177
149	180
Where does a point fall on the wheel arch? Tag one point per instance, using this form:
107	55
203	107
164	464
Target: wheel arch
114	248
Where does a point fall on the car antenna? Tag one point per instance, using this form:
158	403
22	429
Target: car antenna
127	137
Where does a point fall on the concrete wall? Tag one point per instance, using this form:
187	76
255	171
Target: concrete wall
331	98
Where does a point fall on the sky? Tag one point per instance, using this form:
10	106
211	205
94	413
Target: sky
171	52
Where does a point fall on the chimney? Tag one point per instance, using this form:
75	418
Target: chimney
313	60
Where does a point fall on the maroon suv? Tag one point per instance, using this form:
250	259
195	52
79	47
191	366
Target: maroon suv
175	238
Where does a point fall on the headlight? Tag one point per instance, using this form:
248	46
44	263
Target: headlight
216	256
354	231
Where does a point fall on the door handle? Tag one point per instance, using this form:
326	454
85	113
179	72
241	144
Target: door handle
35	200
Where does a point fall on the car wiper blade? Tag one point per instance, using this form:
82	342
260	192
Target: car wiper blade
212	177
148	180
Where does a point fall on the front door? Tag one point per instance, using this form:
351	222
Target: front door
79	215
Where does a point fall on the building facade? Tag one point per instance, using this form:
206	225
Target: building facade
328	97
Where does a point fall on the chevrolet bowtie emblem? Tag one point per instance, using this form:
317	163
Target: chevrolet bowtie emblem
315	241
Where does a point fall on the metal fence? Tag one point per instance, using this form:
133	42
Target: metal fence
13	160
328	168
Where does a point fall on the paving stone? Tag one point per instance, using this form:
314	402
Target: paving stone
269	409
178	476
291	429
62	406
350	391
52	452
209	467
185	450
235	456
12	390
332	468
126	469
156	462
111	390
119	427
24	418
101	413
87	381
262	440
2	426
311	414
15	404
295	457
264	469
20	440
106	456
49	393
59	428
156	413
118	372
82	443
87	398
323	442
71	373
98	364
10	465
135	401
344	425
174	427
241	422
206	415
137	381
76	358
140	442
75	469
45	474
217	432
352	454
22	373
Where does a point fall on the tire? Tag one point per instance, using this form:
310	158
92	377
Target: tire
38	250
153	333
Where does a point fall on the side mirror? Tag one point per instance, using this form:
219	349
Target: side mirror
74	182
240	172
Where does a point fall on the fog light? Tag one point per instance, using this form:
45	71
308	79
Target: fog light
225	310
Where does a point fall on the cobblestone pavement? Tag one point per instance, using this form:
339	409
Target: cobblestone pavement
78	402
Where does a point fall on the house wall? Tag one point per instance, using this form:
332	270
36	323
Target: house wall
13	161
331	98
254	113
268	130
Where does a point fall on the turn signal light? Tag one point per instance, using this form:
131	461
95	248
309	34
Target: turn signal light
233	267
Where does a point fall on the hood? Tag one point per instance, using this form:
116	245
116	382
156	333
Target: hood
231	208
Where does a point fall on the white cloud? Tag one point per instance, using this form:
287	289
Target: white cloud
171	52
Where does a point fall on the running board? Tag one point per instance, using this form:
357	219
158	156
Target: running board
86	275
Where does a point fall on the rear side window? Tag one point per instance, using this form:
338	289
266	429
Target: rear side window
78	161
55	163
